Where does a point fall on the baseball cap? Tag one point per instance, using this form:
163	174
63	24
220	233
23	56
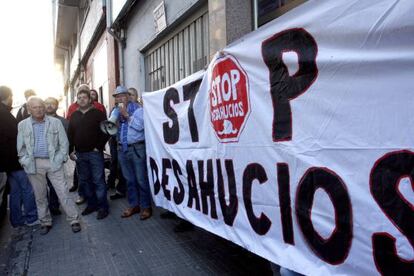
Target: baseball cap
120	90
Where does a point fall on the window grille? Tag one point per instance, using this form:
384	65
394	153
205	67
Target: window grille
180	56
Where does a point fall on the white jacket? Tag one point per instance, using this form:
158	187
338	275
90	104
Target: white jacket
57	142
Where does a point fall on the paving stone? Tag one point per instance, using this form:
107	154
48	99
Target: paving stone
117	246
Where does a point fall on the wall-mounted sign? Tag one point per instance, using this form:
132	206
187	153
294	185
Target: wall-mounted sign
160	20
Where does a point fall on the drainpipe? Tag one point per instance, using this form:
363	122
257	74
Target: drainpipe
121	46
121	62
120	40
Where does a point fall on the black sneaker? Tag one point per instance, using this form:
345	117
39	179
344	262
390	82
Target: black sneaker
76	227
44	229
102	213
88	210
116	196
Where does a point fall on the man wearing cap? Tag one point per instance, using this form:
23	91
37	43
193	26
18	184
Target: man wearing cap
86	145
131	154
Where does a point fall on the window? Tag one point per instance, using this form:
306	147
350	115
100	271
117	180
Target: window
267	10
181	55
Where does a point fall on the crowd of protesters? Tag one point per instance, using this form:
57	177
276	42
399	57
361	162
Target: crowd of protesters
36	145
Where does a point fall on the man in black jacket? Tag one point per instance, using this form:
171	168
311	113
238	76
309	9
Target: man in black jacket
52	105
23	112
21	192
86	145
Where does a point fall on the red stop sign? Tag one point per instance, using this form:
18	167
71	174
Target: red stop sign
229	98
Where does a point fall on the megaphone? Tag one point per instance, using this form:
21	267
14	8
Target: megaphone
109	126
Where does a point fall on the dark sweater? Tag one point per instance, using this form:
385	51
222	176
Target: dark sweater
8	140
23	113
84	132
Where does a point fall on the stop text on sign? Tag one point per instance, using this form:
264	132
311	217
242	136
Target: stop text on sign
229	98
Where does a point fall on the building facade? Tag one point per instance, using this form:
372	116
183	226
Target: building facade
149	44
86	52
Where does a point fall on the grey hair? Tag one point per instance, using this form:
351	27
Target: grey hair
35	98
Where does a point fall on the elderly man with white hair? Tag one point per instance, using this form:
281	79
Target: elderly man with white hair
42	147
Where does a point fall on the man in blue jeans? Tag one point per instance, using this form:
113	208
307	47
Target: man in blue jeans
86	145
132	154
21	192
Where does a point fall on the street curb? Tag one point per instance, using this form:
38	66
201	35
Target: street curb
21	248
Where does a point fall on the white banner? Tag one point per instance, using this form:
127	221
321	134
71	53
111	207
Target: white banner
297	142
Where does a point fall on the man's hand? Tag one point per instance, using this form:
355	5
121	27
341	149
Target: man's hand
123	110
72	156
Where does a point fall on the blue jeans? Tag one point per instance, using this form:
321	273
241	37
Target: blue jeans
90	166
21	194
134	168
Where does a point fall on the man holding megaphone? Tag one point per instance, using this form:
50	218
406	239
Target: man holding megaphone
131	153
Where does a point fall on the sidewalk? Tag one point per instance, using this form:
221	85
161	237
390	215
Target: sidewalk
6	238
116	246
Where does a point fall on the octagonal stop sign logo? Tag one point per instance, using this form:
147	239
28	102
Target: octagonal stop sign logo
229	98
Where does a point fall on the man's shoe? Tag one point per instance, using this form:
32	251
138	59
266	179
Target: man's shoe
102	213
44	229
76	227
146	214
88	210
80	200
55	212
183	226
168	215
130	211
116	196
